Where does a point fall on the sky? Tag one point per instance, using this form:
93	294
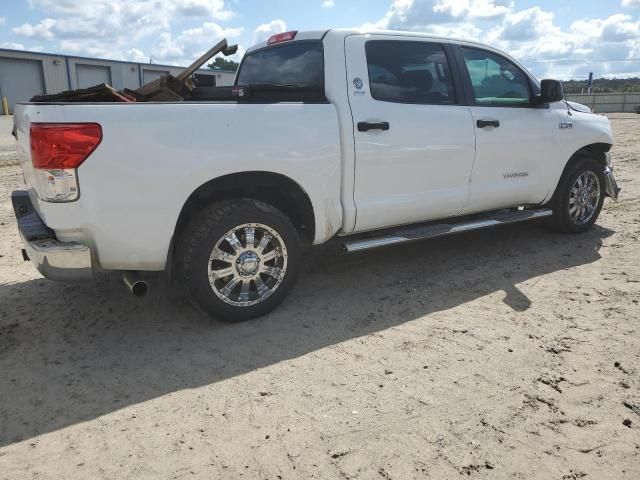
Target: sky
554	39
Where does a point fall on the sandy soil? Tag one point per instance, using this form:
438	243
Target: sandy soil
496	354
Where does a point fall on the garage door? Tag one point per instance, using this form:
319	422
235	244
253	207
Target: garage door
151	75
20	80
90	75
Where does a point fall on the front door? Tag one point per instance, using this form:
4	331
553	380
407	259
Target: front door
414	140
514	139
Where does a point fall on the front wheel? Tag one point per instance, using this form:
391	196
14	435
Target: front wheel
579	197
238	259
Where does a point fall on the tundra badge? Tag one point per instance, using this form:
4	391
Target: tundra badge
515	175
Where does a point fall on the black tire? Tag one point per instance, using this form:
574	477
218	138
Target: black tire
562	220
203	234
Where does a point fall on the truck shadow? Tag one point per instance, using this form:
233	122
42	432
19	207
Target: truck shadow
69	354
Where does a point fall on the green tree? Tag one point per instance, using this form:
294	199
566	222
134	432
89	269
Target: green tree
220	63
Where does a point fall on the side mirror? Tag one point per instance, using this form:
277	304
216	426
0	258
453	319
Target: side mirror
550	91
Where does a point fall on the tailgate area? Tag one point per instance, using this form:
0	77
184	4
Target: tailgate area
63	261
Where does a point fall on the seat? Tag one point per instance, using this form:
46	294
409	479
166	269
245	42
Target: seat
421	82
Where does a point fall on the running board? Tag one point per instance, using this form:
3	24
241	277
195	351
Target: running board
440	230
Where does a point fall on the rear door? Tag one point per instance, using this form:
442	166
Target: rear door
414	138
514	139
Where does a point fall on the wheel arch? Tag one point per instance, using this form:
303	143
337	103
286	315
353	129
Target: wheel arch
596	151
275	189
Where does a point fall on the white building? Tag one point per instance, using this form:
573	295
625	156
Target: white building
25	74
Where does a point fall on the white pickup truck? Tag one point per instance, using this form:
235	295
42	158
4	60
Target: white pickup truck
378	138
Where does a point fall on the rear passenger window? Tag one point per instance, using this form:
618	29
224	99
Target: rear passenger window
495	80
409	72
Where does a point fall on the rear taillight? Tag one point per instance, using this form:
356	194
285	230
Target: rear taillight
282	37
63	145
57	150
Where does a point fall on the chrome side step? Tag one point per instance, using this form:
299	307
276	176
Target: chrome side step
442	229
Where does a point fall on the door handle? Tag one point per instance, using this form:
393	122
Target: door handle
487	123
366	126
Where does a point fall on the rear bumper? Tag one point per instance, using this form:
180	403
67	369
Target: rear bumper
63	261
610	184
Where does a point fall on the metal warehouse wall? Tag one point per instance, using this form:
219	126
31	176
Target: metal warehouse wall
25	74
608	102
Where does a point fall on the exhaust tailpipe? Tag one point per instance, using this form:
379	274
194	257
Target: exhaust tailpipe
138	286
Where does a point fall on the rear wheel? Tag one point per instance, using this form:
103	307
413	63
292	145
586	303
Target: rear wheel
238	259
579	197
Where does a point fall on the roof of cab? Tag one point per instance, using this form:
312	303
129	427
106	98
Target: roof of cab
344	32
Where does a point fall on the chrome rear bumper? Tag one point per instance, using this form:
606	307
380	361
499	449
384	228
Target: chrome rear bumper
66	262
610	185
63	261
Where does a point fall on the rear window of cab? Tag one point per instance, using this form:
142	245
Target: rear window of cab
297	63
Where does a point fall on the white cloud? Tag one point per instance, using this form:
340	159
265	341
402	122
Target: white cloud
462	30
265	30
396	14
214	9
3	20
528	24
619	28
111	28
328	4
472	8
42	30
631	3
417	14
135	55
531	34
113	18
12	45
190	43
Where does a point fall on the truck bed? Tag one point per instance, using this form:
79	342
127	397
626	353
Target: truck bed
153	156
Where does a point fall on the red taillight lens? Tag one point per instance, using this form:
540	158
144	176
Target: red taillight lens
63	145
282	37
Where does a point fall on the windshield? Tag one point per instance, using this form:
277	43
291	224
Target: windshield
298	63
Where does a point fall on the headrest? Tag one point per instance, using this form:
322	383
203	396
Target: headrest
418	79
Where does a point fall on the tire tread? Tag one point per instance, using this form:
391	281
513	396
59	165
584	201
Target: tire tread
197	234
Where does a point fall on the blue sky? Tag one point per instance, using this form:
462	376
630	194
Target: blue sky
564	39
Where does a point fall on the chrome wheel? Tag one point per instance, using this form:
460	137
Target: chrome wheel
247	265
584	197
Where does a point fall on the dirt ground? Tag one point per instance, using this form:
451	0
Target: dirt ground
497	354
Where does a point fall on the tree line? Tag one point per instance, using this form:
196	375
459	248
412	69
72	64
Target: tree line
604	85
